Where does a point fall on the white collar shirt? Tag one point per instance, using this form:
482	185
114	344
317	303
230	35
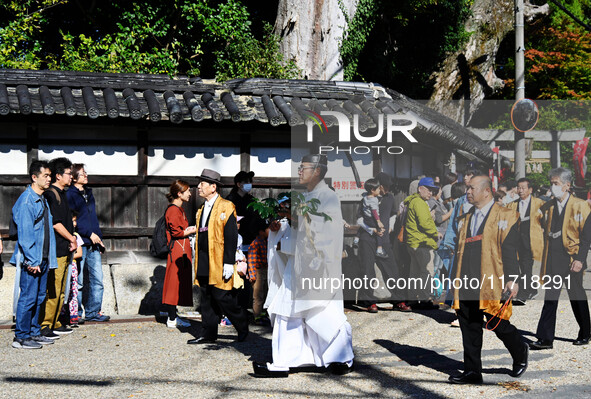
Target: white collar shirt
479	215
523	204
562	204
207	209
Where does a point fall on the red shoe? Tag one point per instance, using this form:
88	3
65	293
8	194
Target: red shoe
373	308
403	307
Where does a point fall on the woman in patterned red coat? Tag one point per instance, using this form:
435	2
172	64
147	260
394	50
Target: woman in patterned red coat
178	280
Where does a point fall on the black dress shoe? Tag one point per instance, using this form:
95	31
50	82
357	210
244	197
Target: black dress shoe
581	341
520	367
340	368
200	341
261	370
518	302
539	345
242	336
467	377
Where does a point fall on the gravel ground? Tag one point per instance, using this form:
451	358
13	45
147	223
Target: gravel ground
397	355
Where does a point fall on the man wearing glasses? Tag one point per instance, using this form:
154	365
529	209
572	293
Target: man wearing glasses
309	324
65	244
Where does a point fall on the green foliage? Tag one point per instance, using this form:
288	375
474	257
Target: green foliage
558	68
258	58
268	208
358	29
401	46
540	179
557	56
20	22
194	37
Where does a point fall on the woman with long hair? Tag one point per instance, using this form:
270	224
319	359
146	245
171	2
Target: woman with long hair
177	290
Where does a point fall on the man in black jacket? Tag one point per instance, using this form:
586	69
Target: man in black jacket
65	244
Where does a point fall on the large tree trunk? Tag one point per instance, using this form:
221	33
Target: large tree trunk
311	31
469	74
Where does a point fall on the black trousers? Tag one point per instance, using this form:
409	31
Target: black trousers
526	263
215	303
470	316
578	300
387	266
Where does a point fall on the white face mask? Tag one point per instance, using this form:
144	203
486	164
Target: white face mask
557	191
247	187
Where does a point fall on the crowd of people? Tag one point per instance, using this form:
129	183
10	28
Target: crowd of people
443	235
59	246
509	242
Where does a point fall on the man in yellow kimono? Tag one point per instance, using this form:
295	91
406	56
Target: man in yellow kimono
531	231
215	254
567	239
486	258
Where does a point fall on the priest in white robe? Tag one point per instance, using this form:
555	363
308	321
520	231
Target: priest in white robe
305	299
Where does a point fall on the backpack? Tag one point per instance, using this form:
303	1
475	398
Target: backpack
160	247
399	225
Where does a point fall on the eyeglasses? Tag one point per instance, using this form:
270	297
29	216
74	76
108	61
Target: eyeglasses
301	168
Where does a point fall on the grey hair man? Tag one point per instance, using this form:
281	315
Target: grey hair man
567	237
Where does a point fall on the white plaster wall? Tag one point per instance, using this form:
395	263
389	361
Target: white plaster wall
270	162
13	159
190	161
99	159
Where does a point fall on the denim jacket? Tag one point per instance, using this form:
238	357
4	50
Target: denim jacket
27	209
450	238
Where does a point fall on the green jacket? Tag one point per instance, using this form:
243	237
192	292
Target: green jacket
420	226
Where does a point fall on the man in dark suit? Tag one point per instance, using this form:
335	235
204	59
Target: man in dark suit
567	239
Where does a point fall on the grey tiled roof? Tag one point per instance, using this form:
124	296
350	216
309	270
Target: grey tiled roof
188	100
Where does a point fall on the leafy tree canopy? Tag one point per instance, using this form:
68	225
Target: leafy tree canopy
201	37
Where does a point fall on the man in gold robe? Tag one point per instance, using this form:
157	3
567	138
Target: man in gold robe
567	239
486	265
531	231
215	255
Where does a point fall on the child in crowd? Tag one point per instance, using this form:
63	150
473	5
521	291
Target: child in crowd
257	272
369	215
70	308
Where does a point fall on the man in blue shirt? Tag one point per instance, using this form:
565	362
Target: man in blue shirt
34	255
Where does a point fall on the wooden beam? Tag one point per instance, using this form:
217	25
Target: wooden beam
538	135
104	180
534	154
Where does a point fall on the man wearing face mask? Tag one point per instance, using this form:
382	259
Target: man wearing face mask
567	237
240	196
510	188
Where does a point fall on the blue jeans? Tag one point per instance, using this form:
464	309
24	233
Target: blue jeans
90	263
33	288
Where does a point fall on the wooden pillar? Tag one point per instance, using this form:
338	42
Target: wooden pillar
32	143
377	162
554	150
142	169
245	152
